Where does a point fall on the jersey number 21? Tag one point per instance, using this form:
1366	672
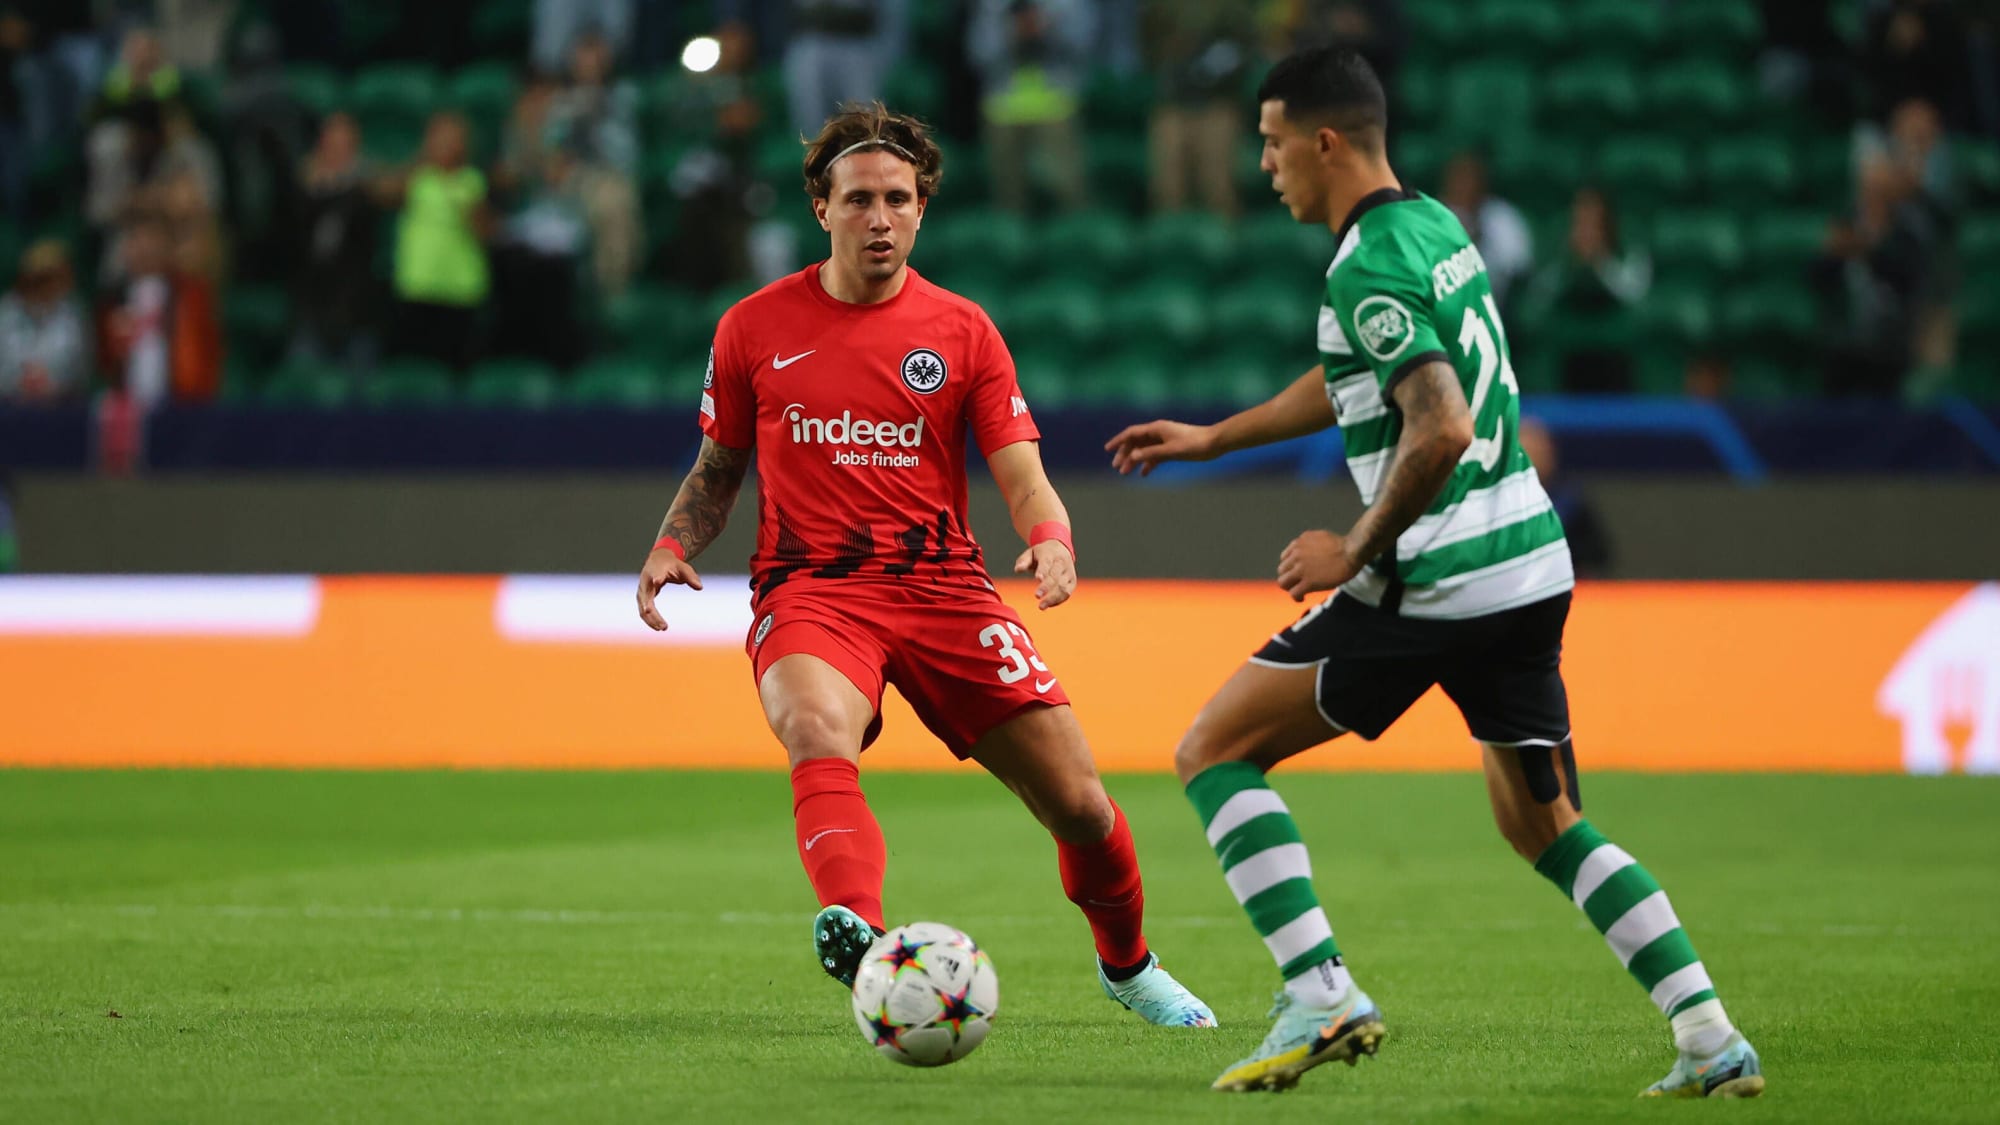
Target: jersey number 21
1485	338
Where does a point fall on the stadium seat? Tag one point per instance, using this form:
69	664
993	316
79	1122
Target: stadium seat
1590	95
1099	244
1045	379
1979	168
915	86
1063	315
408	383
1642	171
511	384
1265	320
1416	101
1440	28
1979	240
1731	27
1532	28
1119	170
971	244
255	319
1117	102
1489	101
1419	158
1139	379
658	321
1628	28
1277	248
485	93
318	88
399	95
500	28
1695	97
618	381
1676	314
1157	314
311	386
1769	318
1189	244
391	143
1699	244
1781	242
1232	382
1760	165
1540	175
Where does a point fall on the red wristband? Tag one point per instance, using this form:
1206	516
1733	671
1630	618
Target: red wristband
1052	530
674	545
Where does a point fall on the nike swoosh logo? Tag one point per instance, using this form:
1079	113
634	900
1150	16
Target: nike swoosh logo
817	836
1043	685
779	363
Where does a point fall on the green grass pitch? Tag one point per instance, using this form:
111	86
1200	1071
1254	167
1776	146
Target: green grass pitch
307	947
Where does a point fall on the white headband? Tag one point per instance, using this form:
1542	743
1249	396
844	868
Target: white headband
892	146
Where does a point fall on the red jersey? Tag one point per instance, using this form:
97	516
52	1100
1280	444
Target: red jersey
858	414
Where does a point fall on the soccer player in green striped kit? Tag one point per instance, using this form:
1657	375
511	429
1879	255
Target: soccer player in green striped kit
1457	574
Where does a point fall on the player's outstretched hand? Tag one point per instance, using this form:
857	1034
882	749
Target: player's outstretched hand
662	567
1313	562
1054	571
1145	445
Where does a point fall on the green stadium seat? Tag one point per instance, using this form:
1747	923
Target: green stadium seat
1693	98
1731	27
1761	165
255	319
1535	28
391	142
1642	171
1678	314
485	93
1700	243
500	28
658	321
513	384
1277	248
1417	100
1120	102
1063	315
1630	28
1490	101
1100	244
1594	94
1770	318
1190	244
1157	314
618	381
916	87
967	182
1539	174
1782	241
1138	379
1045	378
1419	158
395	94
1769	380
1979	240
1264	321
964	244
306	385
318	88
1233	382
1979	168
1119	168
1440	28
408	383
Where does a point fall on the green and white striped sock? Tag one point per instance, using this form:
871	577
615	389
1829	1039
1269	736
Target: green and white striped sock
1266	866
1628	907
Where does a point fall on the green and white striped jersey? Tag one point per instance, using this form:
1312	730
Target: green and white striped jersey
1407	287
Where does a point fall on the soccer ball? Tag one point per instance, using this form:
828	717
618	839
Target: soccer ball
925	994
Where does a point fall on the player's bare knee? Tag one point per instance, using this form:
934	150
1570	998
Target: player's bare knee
1201	748
1083	817
814	732
1530	832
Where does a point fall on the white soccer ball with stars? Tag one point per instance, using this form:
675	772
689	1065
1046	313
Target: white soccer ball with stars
925	994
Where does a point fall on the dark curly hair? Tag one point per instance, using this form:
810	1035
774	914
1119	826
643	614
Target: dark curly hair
872	128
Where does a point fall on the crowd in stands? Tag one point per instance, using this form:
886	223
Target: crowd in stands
195	194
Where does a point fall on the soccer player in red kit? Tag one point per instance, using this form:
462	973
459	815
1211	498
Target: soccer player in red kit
857	382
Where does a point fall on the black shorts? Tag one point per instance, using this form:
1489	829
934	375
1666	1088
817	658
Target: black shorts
1503	670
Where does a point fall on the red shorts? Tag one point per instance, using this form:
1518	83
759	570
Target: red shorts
959	655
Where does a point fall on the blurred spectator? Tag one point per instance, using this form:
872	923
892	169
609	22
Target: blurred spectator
335	298
1198	60
158	336
595	121
267	133
1120	35
141	75
716	192
1917	49
1914	146
524	140
1496	226
44	344
1589	545
1709	376
537	264
1032	56
184	151
1804	60
1877	277
17	147
1583	302
1378	29
194	234
122	152
441	270
839	51
560	23
192	31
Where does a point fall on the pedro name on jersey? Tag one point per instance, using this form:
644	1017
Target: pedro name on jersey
1407	288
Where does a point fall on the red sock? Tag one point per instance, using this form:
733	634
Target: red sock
839	841
1103	880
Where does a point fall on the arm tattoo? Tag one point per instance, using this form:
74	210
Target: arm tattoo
701	508
1434	409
